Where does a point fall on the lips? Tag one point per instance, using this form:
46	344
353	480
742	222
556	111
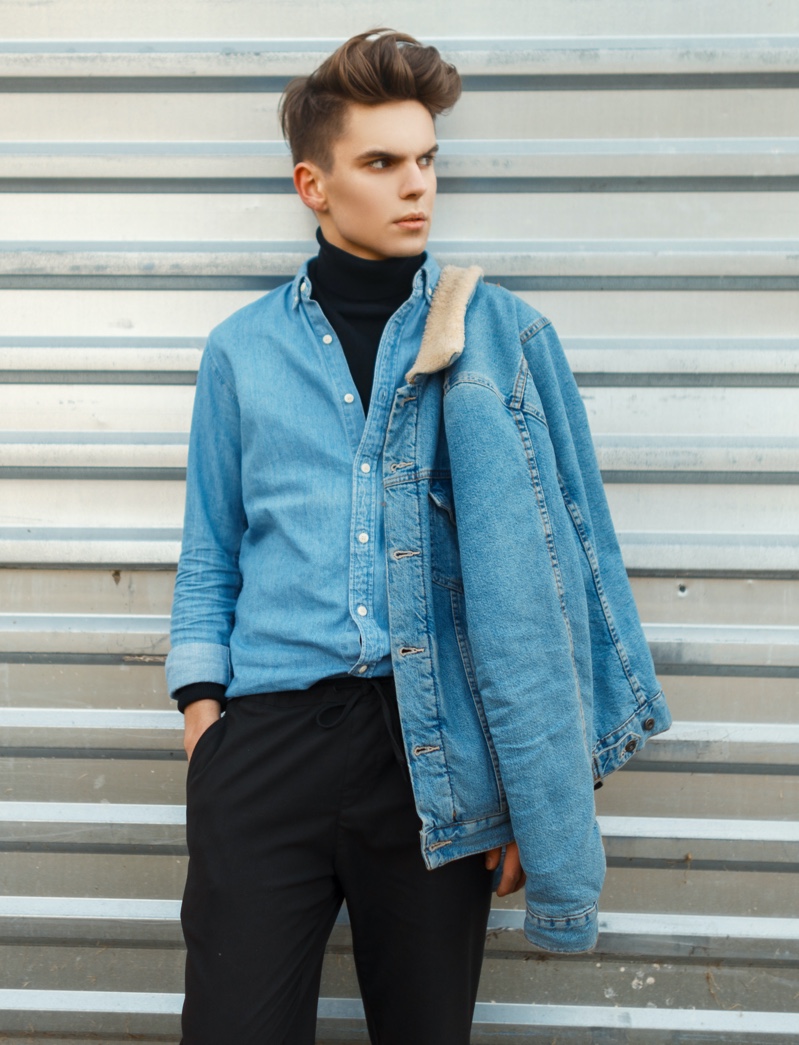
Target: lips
412	221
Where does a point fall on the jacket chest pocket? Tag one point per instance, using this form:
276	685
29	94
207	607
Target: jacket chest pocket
444	550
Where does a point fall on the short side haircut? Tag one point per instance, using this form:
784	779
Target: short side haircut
374	67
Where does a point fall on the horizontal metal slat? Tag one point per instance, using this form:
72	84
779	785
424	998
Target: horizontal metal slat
117	634
642	454
660	936
695	742
605	360
118	453
645	554
150	1013
676	502
681	842
768	259
673	645
576	56
703	554
693	842
643	934
134	359
44	731
154	548
492	215
500	160
670	459
680	645
724	743
684	360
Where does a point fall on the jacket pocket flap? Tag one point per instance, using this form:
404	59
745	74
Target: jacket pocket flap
440	493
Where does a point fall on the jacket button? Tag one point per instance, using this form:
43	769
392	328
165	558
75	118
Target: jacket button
649	723
631	745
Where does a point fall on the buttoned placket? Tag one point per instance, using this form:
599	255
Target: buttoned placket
366	434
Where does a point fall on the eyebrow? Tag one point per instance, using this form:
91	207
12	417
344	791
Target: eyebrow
385	154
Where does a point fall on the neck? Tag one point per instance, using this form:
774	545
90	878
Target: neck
350	277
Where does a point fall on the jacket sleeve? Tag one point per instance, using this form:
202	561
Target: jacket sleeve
208	579
571	438
626	661
518	575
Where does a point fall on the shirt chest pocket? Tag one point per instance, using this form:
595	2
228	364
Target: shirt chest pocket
444	550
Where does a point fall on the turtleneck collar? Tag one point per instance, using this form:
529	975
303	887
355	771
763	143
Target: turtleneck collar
349	278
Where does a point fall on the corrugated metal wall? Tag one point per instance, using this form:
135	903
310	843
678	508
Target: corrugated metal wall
632	169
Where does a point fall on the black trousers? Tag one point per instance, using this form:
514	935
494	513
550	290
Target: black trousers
295	802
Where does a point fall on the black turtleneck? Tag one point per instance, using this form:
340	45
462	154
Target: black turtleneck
358	297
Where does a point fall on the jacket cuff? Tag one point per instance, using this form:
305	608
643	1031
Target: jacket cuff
191	662
200	691
568	935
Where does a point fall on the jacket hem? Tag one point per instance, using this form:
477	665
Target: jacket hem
442	845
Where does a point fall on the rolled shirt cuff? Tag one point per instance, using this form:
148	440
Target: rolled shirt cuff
192	662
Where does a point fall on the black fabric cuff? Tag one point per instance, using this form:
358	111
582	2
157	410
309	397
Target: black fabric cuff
200	691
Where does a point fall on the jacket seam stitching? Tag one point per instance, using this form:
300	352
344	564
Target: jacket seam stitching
468	666
588	552
428	608
583	916
530	457
530	331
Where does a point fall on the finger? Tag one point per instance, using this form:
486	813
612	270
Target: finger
518	884
513	876
493	856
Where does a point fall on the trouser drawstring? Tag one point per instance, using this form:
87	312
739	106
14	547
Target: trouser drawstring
388	708
345	706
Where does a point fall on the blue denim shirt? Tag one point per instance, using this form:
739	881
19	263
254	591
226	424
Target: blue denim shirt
282	574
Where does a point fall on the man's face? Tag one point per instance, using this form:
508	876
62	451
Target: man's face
377	198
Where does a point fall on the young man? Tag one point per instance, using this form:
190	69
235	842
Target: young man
400	582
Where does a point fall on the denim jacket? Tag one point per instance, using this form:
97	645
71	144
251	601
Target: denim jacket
523	675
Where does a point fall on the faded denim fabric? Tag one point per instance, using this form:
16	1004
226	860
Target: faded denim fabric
522	672
282	577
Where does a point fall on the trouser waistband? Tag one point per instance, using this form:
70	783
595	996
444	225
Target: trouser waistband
352	690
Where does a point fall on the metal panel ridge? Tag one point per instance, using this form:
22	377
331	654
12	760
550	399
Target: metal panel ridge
474	56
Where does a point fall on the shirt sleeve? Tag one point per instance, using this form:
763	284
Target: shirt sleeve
208	580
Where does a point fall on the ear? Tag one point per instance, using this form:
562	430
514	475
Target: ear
309	183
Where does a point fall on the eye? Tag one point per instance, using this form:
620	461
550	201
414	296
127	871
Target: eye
427	161
379	164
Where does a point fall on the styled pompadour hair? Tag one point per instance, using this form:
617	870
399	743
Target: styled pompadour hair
371	68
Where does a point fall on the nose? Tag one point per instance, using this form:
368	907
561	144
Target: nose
414	183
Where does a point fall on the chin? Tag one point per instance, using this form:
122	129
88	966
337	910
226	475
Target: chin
408	248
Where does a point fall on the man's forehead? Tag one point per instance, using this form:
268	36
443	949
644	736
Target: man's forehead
393	127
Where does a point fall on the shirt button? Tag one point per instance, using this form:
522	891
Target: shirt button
302	286
362	668
366	467
327	339
363	537
362	611
349	397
